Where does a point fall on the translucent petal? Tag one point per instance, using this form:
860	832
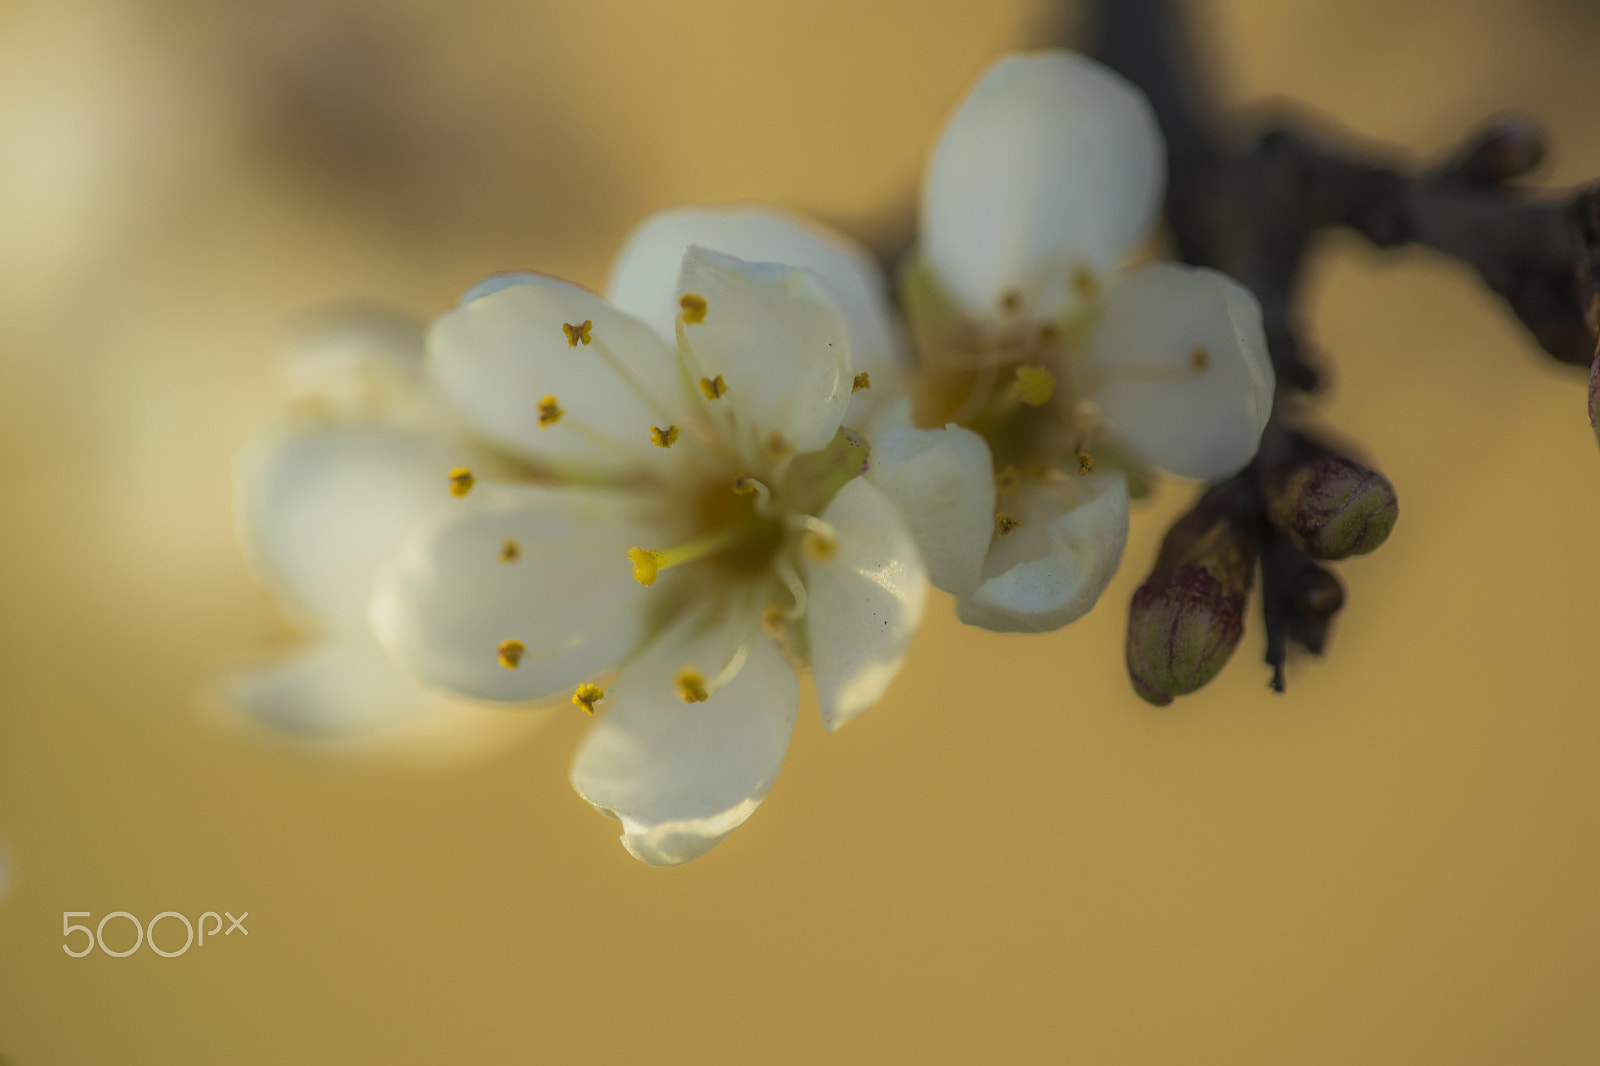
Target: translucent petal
343	695
1183	375
454	592
779	341
498	357
645	277
1052	568
1051	164
681	776
320	509
865	602
336	686
942	482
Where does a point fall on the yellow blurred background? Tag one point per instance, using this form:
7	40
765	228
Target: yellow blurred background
1011	859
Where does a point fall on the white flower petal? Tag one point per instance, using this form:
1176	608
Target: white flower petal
359	359
339	685
942	481
1051	163
319	509
497	357
1202	333
645	277
681	776
447	601
1052	568
779	341
865	602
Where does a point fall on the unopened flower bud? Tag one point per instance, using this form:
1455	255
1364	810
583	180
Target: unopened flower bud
1508	148
1331	506
1188	616
1594	397
1315	595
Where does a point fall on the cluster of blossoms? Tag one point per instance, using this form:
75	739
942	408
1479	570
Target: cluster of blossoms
661	506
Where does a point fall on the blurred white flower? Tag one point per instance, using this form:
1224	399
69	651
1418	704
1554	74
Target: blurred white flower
323	498
690	520
1049	375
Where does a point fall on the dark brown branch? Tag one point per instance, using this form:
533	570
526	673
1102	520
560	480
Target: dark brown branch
1253	208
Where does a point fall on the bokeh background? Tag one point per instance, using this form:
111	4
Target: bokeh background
1012	858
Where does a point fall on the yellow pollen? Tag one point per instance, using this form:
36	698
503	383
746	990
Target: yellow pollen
550	412
1007	481
577	334
1010	301
586	696
691	685
510	550
1004	523
461	481
510	653
1085	283
713	388
744	486
646	564
663	438
1085	464
694	308
1034	385
863	381
1200	359
818	546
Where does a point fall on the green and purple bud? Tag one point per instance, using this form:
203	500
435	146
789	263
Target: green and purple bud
1594	397
1331	506
1188	616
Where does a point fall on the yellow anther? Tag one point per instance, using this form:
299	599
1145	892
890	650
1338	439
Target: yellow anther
819	546
550	412
713	388
510	653
1200	359
863	381
1034	385
744	486
691	685
646	564
586	696
1004	523
1085	284
510	550
694	308
1010	301
461	481
577	334
1085	464
663	438
773	619
1007	481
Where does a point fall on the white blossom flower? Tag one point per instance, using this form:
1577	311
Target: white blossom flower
1050	376
644	280
690	521
323	498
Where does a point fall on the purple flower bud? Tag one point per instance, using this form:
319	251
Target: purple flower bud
1188	616
1331	506
1182	628
1594	396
